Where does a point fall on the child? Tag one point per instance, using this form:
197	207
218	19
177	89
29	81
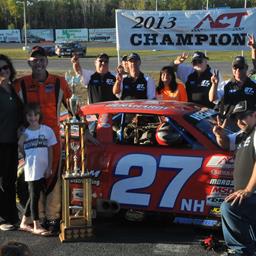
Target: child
36	145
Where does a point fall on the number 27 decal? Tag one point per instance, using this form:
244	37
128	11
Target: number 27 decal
122	190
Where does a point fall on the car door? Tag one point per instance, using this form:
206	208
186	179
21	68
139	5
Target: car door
177	178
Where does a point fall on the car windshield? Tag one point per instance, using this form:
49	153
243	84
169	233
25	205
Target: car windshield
204	120
67	45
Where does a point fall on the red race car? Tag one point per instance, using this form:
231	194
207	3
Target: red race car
156	157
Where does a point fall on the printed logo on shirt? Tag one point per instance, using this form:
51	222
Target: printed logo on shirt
245	144
39	142
140	87
110	81
205	83
232	90
49	88
95	81
248	90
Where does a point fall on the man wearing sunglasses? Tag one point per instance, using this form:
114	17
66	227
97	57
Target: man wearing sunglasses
99	82
238	209
237	89
196	78
135	85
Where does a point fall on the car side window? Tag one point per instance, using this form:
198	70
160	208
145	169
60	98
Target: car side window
92	121
150	130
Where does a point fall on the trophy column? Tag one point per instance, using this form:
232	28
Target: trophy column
76	222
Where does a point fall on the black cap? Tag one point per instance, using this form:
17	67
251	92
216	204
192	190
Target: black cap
199	56
103	56
124	58
239	61
242	109
133	56
38	51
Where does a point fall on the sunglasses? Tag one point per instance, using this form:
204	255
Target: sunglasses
195	62
5	67
101	61
239	67
242	116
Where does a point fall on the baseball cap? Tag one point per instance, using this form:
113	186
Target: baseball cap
199	56
239	61
124	58
133	56
243	109
103	56
38	51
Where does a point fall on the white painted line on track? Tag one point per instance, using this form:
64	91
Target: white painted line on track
171	248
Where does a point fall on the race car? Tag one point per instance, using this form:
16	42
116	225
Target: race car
155	157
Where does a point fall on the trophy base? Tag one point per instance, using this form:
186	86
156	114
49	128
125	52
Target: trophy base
75	234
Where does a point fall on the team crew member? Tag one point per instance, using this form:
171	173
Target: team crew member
49	91
100	82
238	209
168	88
135	85
239	88
197	79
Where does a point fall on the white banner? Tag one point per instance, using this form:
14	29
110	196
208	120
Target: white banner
10	36
39	35
79	34
102	34
215	29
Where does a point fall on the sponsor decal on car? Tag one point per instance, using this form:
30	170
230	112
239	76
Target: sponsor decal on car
221	191
222	172
215	211
135	106
222	182
200	115
221	162
200	222
214	201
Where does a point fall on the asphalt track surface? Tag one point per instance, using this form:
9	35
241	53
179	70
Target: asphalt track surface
122	238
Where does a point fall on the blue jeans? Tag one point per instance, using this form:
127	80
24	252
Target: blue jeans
239	226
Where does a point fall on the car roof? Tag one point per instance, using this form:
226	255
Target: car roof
162	107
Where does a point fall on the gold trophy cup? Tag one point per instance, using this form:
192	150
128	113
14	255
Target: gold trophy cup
76	224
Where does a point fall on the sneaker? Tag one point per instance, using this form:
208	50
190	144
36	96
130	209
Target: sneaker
7	227
54	226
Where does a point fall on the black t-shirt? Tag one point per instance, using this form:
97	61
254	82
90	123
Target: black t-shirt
11	114
233	94
198	87
134	89
100	87
244	160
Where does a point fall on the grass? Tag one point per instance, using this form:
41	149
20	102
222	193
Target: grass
227	56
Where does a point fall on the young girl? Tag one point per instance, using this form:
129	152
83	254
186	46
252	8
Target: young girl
36	144
168	88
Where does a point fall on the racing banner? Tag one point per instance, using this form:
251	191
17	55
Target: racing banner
10	36
215	29
66	35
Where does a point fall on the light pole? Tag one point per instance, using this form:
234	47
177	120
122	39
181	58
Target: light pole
25	25
24	2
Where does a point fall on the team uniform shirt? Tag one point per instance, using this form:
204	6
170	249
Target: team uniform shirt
36	151
179	95
232	94
49	95
197	86
141	88
245	158
100	87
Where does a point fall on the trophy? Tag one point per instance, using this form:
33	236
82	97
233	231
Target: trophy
73	81
76	224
